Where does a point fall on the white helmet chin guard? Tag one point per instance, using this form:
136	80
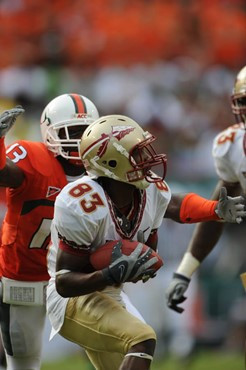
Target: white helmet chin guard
63	112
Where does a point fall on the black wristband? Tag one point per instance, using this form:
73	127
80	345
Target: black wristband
180	276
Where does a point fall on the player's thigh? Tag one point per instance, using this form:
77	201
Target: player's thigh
99	323
105	360
130	307
22	328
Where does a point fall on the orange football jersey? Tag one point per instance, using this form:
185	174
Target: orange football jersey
30	207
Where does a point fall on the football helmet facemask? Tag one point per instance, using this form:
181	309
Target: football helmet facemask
238	97
63	121
117	147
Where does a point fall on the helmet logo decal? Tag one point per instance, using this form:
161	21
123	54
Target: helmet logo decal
118	132
46	118
80	115
52	190
79	103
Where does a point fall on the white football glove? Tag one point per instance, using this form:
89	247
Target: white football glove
175	292
129	268
8	118
230	209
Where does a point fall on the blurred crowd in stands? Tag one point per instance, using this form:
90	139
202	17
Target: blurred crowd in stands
171	66
95	33
177	100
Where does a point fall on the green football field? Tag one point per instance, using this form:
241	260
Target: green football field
200	361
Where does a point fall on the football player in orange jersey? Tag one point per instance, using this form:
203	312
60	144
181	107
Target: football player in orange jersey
33	174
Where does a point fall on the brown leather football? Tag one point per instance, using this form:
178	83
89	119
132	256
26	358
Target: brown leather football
101	257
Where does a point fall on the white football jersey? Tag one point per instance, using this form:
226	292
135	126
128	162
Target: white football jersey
229	156
84	216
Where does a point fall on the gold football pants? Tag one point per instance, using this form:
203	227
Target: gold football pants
104	328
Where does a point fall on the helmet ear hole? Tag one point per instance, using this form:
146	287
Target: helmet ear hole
112	163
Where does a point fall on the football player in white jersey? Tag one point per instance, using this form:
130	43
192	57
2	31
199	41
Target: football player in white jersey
121	198
229	153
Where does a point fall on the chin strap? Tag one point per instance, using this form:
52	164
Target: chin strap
142	355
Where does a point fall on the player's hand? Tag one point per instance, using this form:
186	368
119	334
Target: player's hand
230	209
129	268
8	118
175	292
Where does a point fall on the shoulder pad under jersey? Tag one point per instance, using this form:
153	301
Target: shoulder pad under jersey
80	210
30	155
85	197
162	191
224	141
159	195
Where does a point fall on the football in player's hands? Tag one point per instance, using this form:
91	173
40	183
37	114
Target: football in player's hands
101	258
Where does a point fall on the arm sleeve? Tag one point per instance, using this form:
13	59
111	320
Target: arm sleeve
196	209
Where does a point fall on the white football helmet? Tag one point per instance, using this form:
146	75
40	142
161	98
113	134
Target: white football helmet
63	112
117	147
238	97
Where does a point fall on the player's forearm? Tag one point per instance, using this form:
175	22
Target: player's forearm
204	239
191	208
73	284
195	208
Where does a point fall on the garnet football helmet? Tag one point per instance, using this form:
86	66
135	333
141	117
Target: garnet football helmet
117	147
238	97
61	121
